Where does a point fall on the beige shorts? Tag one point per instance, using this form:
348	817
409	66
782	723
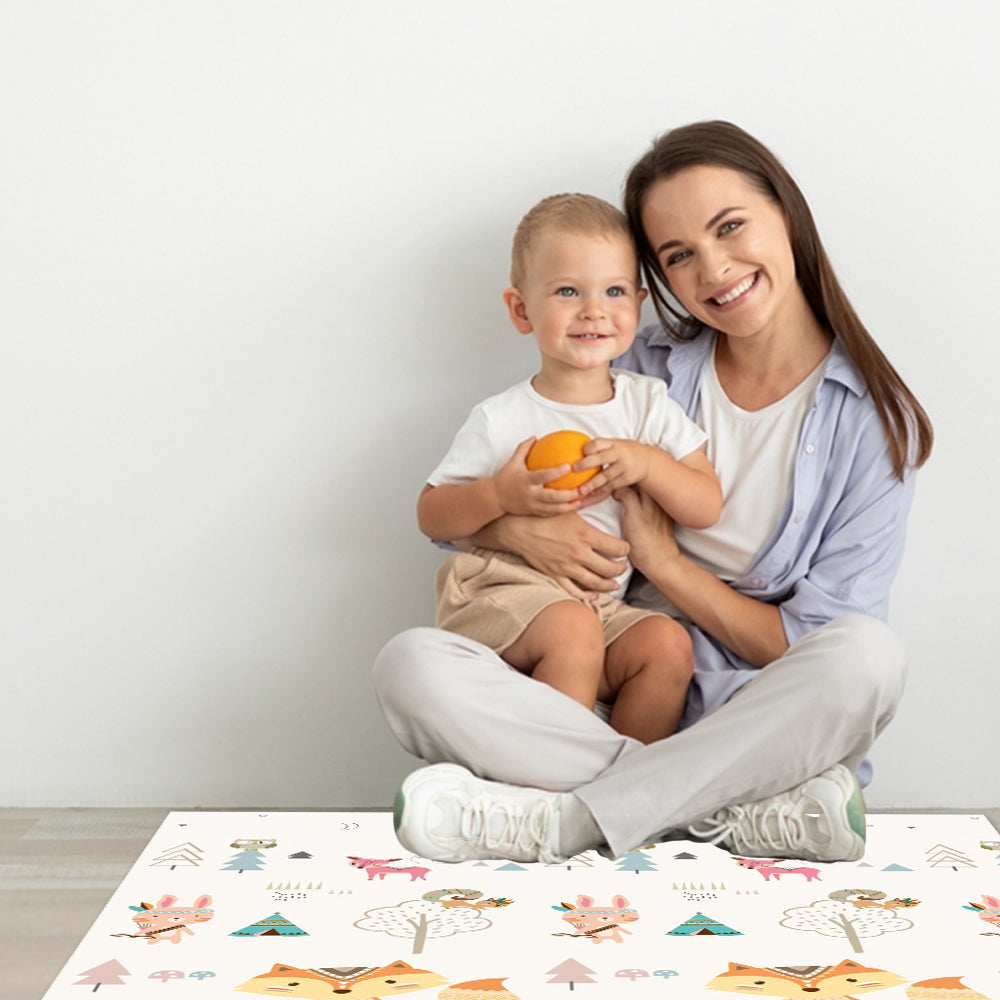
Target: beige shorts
493	597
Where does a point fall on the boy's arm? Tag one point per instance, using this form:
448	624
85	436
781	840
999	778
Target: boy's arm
687	488
453	511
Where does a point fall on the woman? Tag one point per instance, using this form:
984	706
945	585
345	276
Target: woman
815	438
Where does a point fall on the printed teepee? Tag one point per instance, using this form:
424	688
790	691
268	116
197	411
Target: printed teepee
700	924
273	926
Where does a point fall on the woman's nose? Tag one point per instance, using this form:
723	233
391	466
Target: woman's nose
714	265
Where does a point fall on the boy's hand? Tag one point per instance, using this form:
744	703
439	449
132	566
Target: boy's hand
626	463
521	491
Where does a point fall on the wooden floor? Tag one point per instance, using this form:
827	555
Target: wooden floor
59	868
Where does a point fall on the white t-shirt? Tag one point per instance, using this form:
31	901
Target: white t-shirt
753	452
640	411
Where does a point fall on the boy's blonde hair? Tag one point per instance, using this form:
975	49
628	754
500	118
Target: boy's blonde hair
565	213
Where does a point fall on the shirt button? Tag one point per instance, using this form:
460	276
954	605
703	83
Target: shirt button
810	448
798	518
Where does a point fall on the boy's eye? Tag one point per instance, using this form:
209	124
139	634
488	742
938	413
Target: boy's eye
615	291
566	291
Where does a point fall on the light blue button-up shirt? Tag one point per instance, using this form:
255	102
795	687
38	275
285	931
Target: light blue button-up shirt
839	539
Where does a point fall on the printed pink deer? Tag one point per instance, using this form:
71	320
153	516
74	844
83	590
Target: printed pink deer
769	868
167	922
381	868
598	923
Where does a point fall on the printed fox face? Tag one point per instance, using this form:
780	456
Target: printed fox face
844	980
326	984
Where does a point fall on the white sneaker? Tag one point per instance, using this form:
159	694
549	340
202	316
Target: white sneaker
445	813
822	819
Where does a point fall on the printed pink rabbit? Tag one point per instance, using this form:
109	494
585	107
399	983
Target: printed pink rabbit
596	922
167	922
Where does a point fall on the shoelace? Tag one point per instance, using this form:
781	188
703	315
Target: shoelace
774	828
522	830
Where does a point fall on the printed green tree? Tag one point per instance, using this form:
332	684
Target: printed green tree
636	861
245	861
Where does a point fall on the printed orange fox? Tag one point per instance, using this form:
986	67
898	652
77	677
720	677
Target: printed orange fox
372	983
832	982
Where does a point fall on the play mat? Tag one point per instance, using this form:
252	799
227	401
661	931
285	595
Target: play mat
328	905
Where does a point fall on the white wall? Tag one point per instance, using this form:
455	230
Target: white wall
251	257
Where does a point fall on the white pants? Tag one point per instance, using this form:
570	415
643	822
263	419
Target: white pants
448	698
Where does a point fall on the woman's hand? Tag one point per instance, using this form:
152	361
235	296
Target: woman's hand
649	531
581	558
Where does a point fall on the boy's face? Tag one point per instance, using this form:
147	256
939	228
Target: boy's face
580	298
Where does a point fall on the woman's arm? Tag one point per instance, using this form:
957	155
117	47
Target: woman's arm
751	628
581	557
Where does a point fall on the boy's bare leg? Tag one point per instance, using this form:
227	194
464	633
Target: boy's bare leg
647	672
564	648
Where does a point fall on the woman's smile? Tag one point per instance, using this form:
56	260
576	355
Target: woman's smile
736	293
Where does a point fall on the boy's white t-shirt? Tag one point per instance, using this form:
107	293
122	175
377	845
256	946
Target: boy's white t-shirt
753	453
640	411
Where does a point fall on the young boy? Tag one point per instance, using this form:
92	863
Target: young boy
575	286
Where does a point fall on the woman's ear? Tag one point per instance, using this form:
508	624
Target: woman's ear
516	309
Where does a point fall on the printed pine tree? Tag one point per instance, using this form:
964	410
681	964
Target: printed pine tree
183	855
584	860
245	861
636	861
108	974
941	856
571	972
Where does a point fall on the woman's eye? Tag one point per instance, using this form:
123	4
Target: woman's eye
676	258
728	227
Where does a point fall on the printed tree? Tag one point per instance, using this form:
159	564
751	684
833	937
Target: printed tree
584	860
833	918
420	919
636	861
940	856
184	855
108	974
570	973
245	861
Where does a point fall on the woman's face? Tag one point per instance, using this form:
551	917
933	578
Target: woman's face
724	248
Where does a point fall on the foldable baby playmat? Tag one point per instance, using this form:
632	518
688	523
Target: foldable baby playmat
328	905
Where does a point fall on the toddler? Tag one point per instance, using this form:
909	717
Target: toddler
575	287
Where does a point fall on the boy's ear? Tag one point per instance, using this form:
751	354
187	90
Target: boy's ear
641	295
516	309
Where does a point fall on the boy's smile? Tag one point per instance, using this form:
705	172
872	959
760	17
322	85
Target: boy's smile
580	299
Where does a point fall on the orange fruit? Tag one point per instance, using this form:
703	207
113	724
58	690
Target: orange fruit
561	448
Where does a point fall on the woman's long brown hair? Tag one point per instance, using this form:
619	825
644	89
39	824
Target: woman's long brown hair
722	144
